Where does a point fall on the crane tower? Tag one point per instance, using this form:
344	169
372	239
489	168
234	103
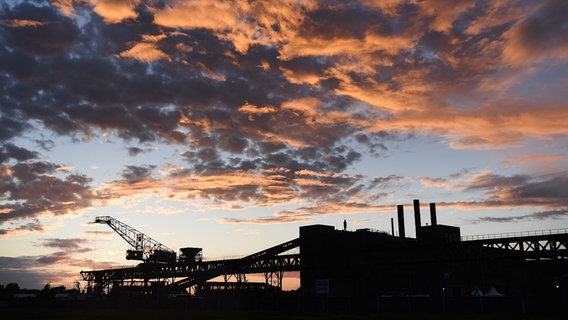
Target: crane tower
143	247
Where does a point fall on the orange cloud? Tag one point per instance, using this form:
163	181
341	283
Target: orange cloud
537	157
65	6
214	15
444	12
243	23
18	23
287	216
497	13
146	52
113	11
251	109
6	210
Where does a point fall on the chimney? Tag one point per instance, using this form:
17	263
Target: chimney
433	219
417	216
392	227
400	210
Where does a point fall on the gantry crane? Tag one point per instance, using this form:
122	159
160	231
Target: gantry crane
143	247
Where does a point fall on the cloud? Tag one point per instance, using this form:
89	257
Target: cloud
115	11
16	23
518	191
523	191
54	267
30	189
245	88
540	34
33	272
10	151
363	72
145	52
133	174
279	217
541	215
227	185
46	33
537	158
66	244
433	182
34	226
100	233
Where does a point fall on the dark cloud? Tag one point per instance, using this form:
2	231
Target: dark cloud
542	33
34	226
133	174
45	144
540	215
96	233
67	244
54	258
11	151
33	272
16	263
551	214
10	125
26	279
134	151
493	181
18	64
346	21
29	189
502	219
52	33
523	190
387	183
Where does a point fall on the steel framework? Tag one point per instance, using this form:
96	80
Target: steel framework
179	276
143	247
537	247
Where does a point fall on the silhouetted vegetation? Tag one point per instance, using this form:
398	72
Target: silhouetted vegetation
13	291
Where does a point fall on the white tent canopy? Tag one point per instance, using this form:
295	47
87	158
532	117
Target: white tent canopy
493	293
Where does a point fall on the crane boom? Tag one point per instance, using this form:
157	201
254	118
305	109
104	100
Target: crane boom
143	247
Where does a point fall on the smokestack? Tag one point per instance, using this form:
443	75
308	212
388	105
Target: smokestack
433	219
392	226
400	210
417	223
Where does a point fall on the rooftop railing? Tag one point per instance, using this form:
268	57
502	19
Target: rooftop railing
514	234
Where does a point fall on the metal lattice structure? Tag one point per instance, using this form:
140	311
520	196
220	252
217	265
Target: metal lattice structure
178	276
535	247
437	266
143	247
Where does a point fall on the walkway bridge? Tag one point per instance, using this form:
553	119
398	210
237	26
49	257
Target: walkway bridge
530	245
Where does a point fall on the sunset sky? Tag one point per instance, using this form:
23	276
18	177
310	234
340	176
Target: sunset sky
227	125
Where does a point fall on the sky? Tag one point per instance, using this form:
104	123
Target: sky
227	125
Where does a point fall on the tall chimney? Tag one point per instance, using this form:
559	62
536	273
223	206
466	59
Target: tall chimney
392	226
417	223
433	219
400	210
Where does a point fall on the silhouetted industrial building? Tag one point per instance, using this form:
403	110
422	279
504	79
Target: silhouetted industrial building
439	267
528	268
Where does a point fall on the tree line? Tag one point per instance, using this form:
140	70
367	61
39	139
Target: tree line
13	291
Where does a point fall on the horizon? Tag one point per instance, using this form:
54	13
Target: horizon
227	125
